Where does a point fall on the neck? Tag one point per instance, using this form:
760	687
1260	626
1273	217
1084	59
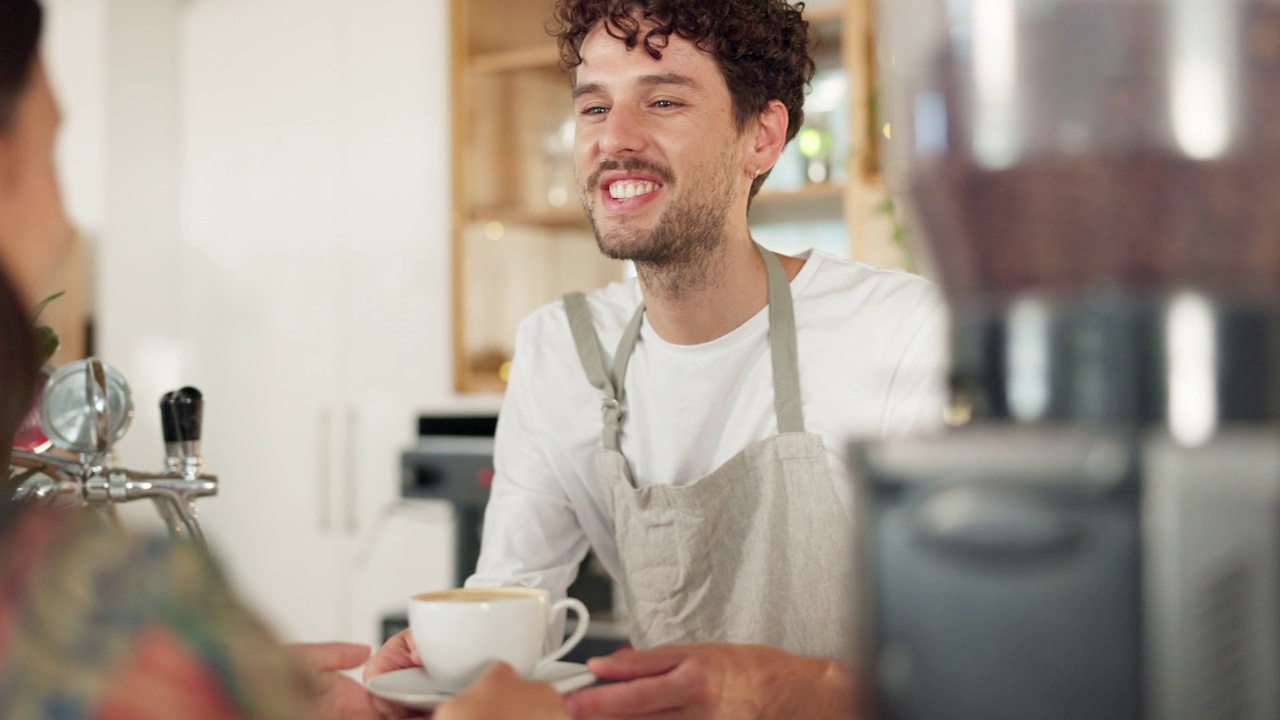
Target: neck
688	305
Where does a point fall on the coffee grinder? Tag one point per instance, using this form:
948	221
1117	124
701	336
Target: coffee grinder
1098	533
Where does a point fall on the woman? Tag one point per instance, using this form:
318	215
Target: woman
95	624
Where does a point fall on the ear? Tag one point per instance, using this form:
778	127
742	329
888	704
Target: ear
767	140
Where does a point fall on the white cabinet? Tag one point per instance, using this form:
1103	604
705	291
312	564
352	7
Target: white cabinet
396	341
304	285
315	211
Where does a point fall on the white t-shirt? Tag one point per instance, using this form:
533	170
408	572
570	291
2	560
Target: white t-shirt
872	346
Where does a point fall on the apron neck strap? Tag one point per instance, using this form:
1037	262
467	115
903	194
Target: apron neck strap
610	383
782	344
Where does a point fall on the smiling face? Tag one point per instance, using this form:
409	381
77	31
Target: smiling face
659	159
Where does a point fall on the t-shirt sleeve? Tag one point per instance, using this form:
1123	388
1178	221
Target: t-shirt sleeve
532	536
917	394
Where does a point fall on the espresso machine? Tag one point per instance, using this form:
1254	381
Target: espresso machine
85	407
1097	534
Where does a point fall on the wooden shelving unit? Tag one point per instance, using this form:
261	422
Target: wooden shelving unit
826	14
570	218
808	193
821	201
530	58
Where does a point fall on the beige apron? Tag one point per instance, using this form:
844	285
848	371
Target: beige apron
755	552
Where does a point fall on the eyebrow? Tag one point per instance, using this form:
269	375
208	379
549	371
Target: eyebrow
645	80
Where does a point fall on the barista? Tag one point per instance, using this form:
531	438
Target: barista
730	377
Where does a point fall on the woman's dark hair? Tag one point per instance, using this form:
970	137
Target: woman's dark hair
761	46
20	22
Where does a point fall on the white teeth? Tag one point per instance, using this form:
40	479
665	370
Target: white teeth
627	189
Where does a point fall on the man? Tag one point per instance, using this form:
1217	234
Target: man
689	425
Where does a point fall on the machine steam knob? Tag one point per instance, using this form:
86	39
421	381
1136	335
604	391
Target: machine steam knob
168	417
188	405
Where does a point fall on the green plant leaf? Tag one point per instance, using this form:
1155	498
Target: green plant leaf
47	343
44	303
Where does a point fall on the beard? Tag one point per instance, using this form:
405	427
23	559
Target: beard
674	254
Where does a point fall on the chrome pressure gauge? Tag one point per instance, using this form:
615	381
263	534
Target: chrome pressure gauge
86	407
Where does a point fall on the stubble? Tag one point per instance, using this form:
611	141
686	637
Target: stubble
676	256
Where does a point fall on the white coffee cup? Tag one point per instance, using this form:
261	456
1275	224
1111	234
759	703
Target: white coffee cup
460	633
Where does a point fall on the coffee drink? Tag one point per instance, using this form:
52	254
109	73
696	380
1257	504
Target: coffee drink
459	633
477	595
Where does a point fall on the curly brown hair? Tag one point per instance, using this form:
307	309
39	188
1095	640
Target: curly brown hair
761	46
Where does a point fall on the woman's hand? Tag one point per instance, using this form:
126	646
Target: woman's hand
338	697
500	694
397	653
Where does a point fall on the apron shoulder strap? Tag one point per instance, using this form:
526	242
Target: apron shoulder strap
588	345
782	344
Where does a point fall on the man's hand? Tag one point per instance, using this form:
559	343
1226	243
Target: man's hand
501	694
714	680
338	697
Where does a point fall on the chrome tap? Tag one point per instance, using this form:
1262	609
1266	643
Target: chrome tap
84	410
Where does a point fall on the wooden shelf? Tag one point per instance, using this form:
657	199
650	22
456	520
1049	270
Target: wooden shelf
482	383
570	217
808	192
541	57
831	13
820	201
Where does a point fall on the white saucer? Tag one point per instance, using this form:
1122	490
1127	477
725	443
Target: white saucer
413	688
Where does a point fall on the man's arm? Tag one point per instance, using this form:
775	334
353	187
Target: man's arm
532	536
531	532
716	680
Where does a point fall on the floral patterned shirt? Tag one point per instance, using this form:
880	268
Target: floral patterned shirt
101	625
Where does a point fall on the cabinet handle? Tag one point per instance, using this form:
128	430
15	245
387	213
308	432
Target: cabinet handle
352	470
326	469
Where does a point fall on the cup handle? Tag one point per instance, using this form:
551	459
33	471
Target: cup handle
579	632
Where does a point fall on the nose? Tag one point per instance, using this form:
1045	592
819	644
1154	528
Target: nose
622	133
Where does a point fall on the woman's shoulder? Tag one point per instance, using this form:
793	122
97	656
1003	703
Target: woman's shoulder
84	602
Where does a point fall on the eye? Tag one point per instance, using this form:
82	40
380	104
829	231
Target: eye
594	110
665	104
